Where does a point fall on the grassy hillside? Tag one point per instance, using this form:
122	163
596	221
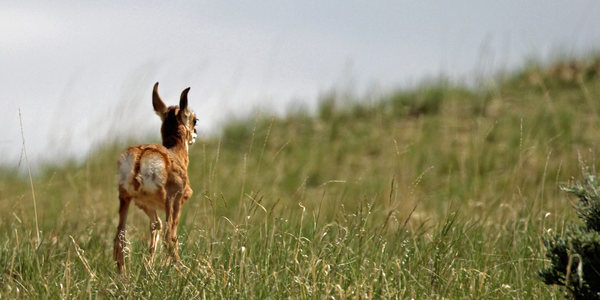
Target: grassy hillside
437	191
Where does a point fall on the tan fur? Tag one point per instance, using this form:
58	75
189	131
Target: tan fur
155	177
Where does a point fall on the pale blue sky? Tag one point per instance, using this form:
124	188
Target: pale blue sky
82	71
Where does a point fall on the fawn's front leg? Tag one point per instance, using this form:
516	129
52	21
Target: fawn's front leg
176	212
172	211
155	228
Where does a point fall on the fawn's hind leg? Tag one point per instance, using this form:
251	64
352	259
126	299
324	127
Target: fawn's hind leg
119	242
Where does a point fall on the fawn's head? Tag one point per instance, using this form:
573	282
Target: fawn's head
178	122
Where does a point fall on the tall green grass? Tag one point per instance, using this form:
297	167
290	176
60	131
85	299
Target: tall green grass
439	191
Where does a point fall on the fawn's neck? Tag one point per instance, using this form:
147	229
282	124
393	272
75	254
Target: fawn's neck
179	147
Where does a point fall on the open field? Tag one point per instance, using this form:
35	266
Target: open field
435	192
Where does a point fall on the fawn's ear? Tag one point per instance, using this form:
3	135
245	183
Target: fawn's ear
159	106
183	105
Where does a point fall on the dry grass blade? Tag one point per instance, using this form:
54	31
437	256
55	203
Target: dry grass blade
37	226
84	261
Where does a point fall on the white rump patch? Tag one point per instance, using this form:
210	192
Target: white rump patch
152	168
126	165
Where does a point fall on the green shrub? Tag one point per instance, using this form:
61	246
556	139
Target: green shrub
575	256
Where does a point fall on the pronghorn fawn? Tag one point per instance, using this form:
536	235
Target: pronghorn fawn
155	177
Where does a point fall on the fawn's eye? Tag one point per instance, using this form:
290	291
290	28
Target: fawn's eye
195	121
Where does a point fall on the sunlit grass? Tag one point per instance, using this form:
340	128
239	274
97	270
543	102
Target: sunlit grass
439	191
